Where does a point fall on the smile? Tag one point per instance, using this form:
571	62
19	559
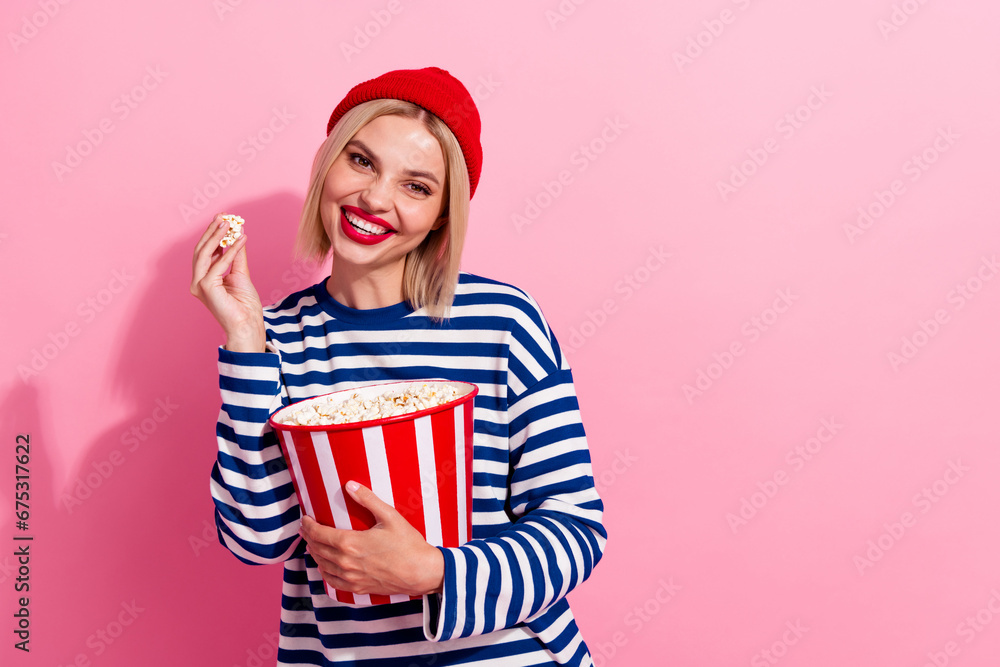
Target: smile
365	226
362	227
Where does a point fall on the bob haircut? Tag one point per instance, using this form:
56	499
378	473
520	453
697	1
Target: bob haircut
431	270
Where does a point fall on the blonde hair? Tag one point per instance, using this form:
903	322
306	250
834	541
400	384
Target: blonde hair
431	271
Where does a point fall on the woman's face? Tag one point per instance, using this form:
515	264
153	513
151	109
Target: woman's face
384	193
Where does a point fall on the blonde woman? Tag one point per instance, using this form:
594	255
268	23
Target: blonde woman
389	199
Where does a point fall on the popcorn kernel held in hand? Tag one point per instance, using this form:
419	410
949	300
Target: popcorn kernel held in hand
235	230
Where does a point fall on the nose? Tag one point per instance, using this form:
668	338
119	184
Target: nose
377	196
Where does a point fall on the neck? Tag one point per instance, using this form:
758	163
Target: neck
367	288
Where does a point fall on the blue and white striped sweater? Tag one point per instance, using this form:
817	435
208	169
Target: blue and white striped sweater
537	518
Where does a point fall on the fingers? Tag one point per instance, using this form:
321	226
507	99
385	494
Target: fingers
382	511
308	524
344	576
240	256
389	558
328	569
224	262
213	234
212	229
338	583
207	250
324	541
342	581
211	267
327	547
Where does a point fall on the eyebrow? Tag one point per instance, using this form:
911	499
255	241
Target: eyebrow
412	173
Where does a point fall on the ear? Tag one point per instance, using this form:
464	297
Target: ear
439	223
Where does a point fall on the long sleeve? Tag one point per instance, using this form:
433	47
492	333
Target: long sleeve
256	511
556	535
537	519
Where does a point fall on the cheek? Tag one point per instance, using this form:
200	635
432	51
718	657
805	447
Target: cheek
327	203
423	214
326	215
330	194
338	181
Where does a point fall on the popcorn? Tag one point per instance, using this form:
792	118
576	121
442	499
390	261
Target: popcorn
235	230
330	410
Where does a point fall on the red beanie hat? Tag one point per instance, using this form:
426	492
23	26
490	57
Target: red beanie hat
433	89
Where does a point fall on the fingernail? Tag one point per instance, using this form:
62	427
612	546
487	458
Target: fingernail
353	486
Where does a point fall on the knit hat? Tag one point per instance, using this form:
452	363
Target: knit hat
435	90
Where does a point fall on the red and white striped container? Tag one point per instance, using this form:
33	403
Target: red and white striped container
420	463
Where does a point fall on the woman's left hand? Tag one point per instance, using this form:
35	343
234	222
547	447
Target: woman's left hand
390	557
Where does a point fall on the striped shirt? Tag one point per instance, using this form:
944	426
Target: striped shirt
537	517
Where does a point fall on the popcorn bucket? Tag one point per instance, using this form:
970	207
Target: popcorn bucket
420	463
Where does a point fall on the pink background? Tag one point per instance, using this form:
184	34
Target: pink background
837	558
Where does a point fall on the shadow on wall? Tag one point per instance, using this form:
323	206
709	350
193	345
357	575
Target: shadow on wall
128	555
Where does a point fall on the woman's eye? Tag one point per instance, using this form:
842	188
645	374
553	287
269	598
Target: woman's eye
422	189
361	160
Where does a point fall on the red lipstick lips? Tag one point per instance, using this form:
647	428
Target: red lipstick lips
359	236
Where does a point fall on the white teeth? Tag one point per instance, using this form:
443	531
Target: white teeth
364	225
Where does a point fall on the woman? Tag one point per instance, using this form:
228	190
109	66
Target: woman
389	198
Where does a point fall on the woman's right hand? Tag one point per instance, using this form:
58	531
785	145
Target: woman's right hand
220	279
